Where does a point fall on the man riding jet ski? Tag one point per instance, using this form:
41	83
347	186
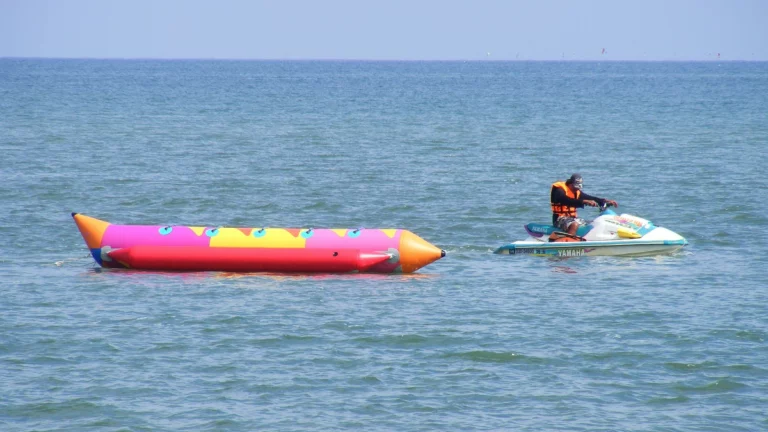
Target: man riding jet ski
609	234
566	197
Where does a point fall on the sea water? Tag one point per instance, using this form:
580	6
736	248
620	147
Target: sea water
462	154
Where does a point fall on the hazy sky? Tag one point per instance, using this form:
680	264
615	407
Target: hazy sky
386	29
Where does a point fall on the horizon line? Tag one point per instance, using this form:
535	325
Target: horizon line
331	59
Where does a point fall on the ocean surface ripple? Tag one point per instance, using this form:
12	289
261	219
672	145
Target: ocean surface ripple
460	153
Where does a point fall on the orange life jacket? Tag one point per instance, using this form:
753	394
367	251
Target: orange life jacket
561	209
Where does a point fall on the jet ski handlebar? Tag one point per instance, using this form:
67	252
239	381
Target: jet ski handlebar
604	207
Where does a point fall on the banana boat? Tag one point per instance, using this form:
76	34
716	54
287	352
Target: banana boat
291	250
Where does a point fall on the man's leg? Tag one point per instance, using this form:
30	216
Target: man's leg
573	227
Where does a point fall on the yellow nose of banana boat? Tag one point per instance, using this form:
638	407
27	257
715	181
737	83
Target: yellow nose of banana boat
415	252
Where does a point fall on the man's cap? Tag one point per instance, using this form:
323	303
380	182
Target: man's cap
576	180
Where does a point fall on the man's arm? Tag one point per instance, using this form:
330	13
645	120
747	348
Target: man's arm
598	200
559	197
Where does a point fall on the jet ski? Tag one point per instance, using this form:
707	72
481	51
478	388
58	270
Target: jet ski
610	234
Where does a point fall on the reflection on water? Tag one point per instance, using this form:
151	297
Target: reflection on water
143	274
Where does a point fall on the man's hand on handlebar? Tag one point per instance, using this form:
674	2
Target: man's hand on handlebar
590	203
